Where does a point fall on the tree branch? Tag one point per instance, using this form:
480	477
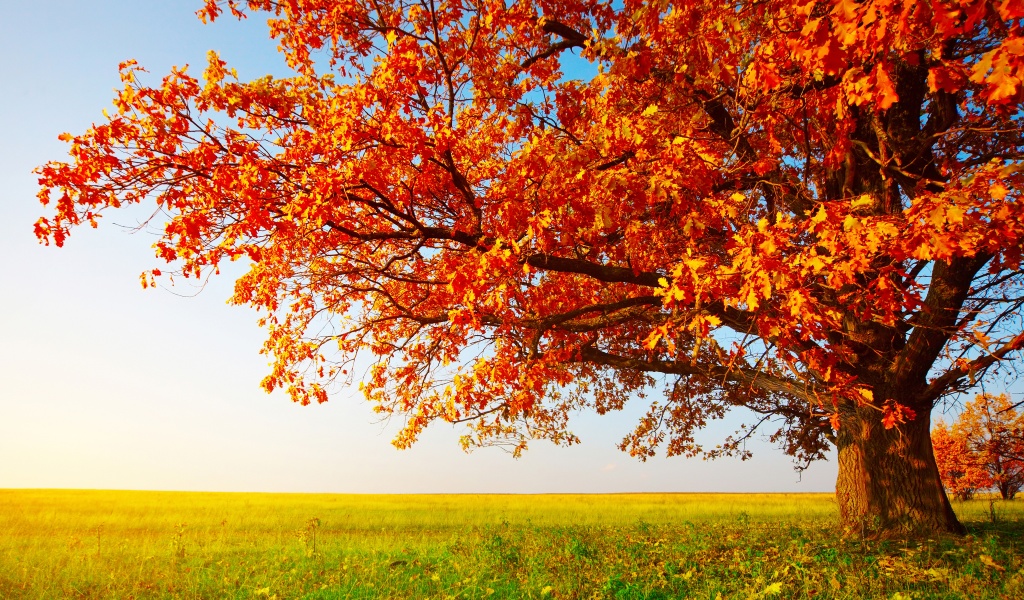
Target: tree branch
768	383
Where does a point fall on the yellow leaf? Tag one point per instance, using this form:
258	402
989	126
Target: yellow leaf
923	252
867	394
988	562
886	229
815	264
863	200
820	216
998	191
650	110
711	158
391	36
652	340
982	339
752	301
773	589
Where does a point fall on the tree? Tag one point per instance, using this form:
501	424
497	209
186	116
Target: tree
808	210
992	431
962	470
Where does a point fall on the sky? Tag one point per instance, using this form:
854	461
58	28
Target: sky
105	385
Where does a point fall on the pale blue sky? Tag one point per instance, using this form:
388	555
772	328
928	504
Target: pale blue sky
105	385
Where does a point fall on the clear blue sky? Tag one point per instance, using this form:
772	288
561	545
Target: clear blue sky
105	385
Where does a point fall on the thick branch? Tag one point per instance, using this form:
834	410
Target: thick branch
606	273
570	319
936	321
940	384
768	383
570	39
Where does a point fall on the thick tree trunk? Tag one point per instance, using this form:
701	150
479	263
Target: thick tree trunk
888	481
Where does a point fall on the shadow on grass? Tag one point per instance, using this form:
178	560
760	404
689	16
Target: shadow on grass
1008	530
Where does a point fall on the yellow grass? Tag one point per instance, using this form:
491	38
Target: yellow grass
117	544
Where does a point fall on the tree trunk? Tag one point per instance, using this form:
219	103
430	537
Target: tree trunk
888	481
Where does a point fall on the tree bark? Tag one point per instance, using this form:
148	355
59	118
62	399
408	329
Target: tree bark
888	480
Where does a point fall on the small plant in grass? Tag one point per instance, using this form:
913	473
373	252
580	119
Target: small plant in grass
178	543
580	548
99	540
307	535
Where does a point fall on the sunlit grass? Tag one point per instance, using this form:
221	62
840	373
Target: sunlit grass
94	544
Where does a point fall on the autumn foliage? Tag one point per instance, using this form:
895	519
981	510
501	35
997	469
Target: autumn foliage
983	449
963	471
808	211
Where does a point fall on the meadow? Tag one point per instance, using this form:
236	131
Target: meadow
107	544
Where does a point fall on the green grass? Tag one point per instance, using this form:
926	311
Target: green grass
95	544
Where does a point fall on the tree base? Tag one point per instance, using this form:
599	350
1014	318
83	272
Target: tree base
888	484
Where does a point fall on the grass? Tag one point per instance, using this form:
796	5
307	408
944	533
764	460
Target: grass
97	544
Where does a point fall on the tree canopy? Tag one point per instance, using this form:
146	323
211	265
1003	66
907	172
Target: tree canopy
521	210
983	449
961	468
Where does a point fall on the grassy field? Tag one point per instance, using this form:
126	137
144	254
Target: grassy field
95	544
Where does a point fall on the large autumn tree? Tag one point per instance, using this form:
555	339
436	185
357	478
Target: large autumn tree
520	210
